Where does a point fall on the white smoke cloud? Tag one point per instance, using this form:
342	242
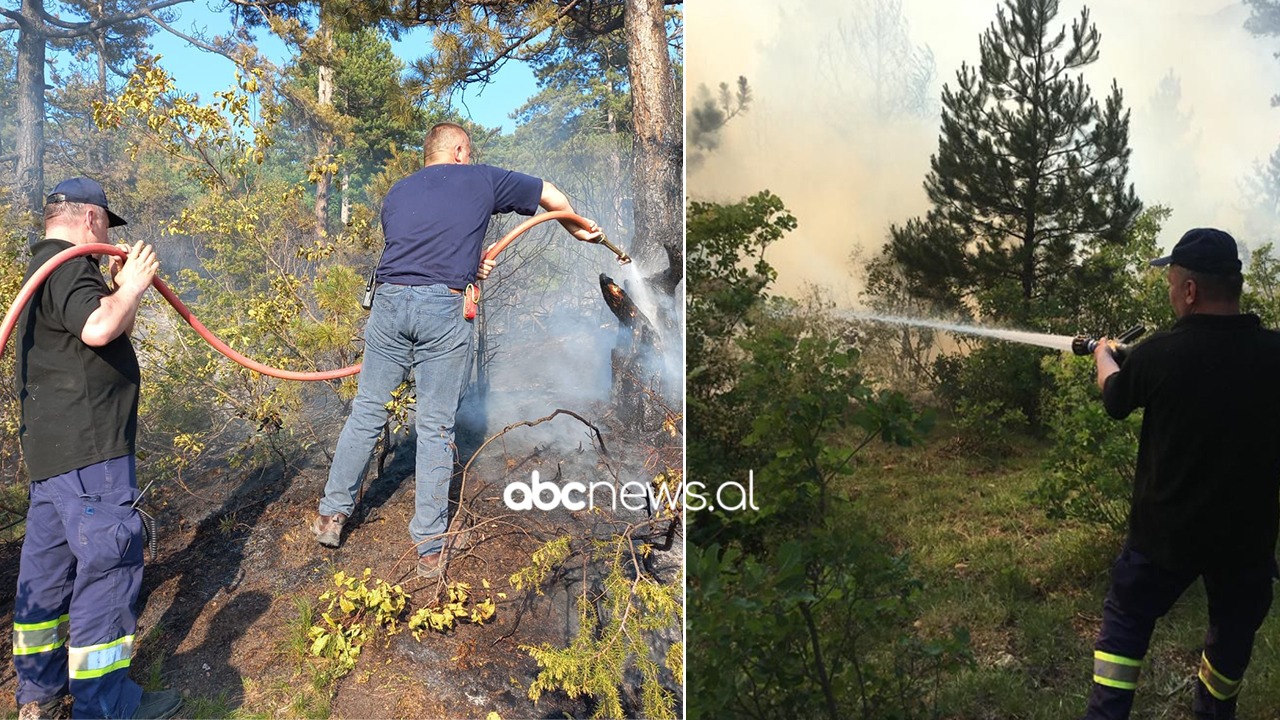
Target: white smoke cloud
847	174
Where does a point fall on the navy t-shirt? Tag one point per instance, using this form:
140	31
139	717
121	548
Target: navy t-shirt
434	221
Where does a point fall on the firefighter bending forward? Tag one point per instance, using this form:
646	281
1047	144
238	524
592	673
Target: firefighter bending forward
1205	496
81	566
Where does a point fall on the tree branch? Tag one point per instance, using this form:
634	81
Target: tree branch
197	42
614	23
226	52
484	69
258	4
75	30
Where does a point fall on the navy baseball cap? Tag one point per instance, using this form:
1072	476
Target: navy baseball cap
84	190
1205	250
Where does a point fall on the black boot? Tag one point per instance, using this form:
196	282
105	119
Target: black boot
1108	703
158	705
1208	707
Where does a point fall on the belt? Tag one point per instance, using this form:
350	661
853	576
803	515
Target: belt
455	291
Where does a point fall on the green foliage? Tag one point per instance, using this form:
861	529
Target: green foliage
546	559
797	610
359	609
1088	472
8	94
802	578
582	90
1029	589
1115	288
811	387
1262	286
614	627
459	604
372	111
403	401
727	276
992	390
264	282
1033	224
13	265
726	245
820	627
996	389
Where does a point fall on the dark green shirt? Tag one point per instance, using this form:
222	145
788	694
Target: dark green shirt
1207	489
79	403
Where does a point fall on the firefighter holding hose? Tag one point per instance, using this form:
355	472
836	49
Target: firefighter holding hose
77	379
433	222
1206	495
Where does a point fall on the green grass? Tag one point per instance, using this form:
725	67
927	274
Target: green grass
13	496
217	707
1029	589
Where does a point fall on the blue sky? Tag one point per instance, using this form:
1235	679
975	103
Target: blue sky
203	73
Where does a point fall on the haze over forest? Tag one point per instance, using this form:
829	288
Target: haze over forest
848	154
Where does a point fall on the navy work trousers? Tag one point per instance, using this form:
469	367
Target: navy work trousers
81	569
1142	592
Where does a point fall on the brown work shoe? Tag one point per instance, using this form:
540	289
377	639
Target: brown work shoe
328	529
431	566
55	709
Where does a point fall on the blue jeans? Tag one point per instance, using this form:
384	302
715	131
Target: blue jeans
418	328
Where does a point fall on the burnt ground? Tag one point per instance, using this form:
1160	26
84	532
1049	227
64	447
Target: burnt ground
221	600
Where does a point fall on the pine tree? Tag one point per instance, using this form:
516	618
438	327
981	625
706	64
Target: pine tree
1030	177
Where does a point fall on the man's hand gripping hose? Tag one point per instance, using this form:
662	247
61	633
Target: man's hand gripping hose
1119	347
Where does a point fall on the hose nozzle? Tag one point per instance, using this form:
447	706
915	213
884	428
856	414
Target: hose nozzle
623	257
1119	347
1083	345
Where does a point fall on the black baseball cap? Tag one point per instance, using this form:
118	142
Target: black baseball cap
1205	250
84	190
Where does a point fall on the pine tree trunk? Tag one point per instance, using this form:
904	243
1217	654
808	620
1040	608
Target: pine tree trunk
658	147
30	77
324	93
99	152
346	196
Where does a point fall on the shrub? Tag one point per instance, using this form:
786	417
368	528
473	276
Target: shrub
1089	469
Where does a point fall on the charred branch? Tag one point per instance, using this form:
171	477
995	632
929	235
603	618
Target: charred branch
625	309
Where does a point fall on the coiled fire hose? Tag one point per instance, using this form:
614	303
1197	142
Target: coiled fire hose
33	285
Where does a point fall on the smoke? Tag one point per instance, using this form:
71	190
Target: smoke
837	129
551	337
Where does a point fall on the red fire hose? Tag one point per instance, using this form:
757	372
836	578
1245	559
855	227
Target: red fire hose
32	285
471	301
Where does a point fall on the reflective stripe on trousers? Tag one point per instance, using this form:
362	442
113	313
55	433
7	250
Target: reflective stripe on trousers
32	638
1116	671
95	661
1216	683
